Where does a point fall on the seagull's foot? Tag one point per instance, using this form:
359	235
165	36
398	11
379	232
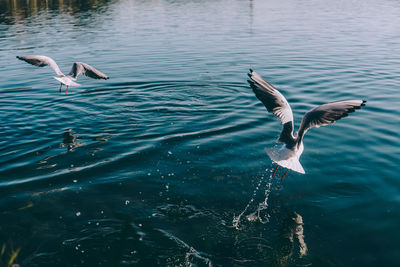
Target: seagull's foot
284	174
60	87
276	169
66	91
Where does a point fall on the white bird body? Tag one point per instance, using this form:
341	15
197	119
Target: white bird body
289	153
68	80
287	158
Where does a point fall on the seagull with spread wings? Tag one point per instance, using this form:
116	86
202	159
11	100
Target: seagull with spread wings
68	80
289	153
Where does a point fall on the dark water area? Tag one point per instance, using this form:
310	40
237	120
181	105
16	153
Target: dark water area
164	164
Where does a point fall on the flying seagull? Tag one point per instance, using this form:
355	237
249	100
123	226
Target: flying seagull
68	80
289	153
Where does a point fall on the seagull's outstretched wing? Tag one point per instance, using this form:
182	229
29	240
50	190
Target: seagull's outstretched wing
276	103
327	114
87	70
42	61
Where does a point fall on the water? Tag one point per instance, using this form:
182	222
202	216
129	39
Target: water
155	165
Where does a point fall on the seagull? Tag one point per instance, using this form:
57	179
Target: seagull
289	153
68	80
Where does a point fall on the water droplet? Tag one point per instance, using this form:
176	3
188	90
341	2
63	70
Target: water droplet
78	213
126	202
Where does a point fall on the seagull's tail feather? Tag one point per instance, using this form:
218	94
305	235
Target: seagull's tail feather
291	163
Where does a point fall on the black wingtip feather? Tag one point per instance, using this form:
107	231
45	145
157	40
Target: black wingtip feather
251	83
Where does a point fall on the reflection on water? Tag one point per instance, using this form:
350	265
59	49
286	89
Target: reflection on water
17	11
299	232
292	247
70	140
282	244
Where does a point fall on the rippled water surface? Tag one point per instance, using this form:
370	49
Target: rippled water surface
164	164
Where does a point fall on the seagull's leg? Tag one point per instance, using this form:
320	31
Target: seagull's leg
275	171
284	174
66	91
60	87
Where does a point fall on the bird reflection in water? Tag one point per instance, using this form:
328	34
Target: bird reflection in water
298	232
292	246
70	140
280	243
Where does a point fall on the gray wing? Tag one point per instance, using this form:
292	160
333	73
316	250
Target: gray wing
275	103
41	61
327	114
87	70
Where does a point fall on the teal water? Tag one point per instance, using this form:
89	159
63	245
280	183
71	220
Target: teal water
164	164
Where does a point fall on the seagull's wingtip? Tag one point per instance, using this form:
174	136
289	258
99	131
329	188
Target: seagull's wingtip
250	74
363	103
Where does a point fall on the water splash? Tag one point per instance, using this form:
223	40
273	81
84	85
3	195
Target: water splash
256	215
192	252
262	206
